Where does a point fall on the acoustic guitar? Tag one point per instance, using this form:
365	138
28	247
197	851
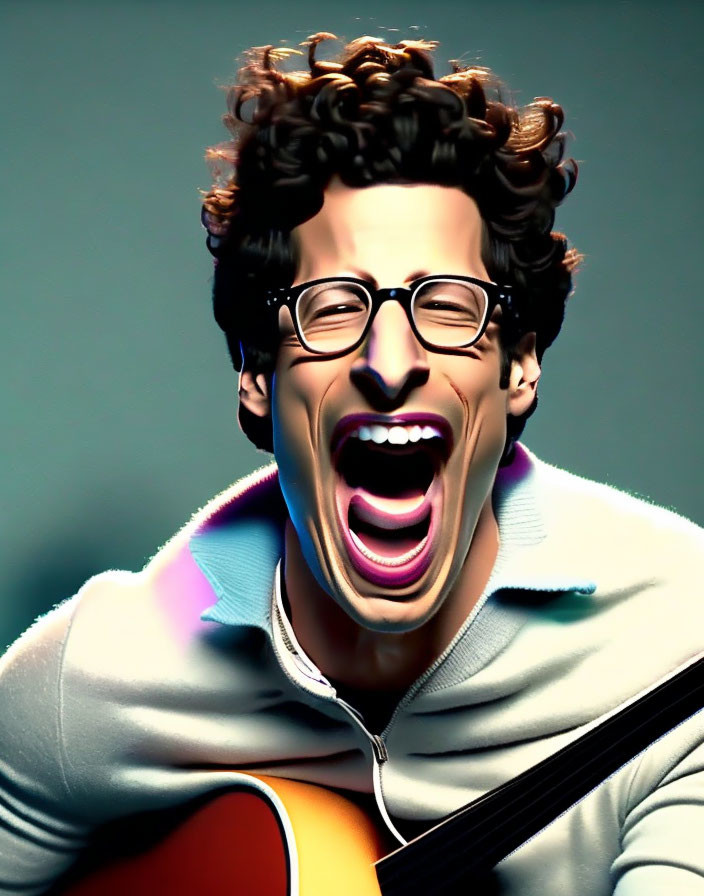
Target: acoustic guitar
270	836
266	837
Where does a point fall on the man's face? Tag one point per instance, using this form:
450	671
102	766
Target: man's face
385	522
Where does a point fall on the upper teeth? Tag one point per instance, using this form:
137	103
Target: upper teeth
395	435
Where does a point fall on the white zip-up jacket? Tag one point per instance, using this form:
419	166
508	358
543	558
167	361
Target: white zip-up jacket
145	690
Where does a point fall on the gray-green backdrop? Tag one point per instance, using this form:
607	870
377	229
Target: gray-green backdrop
118	401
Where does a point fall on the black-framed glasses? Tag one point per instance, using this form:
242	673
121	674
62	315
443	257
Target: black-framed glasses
446	312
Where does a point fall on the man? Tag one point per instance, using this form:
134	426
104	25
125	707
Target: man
414	605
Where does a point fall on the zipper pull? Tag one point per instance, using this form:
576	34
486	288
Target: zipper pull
379	748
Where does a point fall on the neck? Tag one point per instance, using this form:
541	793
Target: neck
358	657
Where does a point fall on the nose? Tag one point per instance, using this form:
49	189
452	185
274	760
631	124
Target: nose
393	362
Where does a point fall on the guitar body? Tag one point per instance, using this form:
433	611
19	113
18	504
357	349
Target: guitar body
267	837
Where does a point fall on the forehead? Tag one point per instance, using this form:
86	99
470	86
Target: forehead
391	231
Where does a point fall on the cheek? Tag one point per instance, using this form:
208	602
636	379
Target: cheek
475	380
491	410
484	419
293	447
290	415
298	395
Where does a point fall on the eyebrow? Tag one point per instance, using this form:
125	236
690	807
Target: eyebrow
365	275
360	273
416	275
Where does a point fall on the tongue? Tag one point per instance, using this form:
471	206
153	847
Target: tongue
398	548
389	527
388	513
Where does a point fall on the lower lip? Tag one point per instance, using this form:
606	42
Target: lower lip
406	573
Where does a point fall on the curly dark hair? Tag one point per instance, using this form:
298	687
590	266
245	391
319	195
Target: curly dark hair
377	114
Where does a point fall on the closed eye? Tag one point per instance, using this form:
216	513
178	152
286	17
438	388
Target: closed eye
442	306
331	310
337	311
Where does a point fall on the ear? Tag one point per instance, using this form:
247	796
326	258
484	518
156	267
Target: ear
254	393
524	376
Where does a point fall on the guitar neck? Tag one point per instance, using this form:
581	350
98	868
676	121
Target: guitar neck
463	848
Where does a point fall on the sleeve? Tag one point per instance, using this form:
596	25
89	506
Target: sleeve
663	831
39	835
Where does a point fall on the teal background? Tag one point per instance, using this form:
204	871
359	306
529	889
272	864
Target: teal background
118	400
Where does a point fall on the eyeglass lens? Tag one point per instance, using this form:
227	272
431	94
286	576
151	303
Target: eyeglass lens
447	313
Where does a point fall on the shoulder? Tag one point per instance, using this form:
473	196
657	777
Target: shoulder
122	624
30	668
32	764
155	617
644	615
622	525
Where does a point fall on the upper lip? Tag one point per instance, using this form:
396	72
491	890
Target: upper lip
348	424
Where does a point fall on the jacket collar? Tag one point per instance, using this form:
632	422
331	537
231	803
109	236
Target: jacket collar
241	541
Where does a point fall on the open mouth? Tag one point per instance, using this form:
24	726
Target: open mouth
388	492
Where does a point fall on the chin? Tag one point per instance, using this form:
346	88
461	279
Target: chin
392	604
382	614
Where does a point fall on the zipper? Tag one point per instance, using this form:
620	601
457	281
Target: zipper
307	669
380	755
378	746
